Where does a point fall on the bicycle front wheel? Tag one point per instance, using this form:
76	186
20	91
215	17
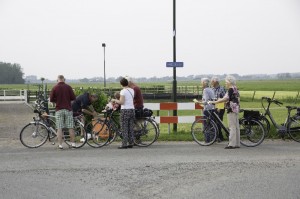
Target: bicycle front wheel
80	136
204	131
252	132
145	132
98	133
294	129
34	134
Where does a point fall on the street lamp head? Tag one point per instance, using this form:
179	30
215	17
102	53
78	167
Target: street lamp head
103	45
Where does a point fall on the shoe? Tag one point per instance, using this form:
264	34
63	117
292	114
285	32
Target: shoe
122	147
130	146
60	146
73	146
230	147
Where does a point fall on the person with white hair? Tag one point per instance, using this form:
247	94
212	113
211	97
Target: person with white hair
207	95
232	99
138	99
220	92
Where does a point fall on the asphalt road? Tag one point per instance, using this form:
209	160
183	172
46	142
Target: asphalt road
164	170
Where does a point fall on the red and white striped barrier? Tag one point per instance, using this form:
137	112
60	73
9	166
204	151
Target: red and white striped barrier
170	106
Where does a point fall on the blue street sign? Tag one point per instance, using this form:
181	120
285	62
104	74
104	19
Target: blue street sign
174	64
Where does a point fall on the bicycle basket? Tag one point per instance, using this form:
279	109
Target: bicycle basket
97	127
251	114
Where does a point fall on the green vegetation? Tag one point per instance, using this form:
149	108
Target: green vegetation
11	73
286	91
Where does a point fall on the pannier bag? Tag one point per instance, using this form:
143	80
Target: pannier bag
103	132
143	113
249	114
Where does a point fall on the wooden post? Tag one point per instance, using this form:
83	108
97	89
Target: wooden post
253	96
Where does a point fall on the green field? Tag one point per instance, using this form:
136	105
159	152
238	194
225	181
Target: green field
251	92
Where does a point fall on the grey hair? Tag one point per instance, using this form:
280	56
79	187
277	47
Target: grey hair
215	79
230	79
205	81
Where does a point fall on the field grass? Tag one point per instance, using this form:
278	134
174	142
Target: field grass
244	85
251	93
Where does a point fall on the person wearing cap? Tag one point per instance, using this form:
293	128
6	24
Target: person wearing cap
232	99
220	92
62	94
138	99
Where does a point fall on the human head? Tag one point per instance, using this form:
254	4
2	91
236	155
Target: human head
117	95
60	78
229	79
129	79
124	82
205	82
215	81
93	97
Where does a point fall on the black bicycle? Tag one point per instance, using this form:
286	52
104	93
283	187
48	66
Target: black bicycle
106	129
205	129
291	126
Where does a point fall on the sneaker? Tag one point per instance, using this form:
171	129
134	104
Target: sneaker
60	146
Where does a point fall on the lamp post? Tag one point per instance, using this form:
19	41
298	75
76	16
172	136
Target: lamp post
104	45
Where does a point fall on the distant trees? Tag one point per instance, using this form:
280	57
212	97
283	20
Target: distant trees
11	73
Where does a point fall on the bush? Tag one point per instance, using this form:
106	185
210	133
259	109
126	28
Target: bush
99	105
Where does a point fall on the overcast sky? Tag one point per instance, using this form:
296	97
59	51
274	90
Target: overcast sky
51	37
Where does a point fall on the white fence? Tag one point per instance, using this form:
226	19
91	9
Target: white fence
13	95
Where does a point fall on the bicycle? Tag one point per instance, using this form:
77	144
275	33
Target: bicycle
291	126
106	130
42	128
204	130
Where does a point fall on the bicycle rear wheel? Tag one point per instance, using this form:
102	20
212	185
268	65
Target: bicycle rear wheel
98	133
145	132
80	136
204	131
294	129
252	132
266	124
34	134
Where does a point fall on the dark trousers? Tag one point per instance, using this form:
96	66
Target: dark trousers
220	113
127	123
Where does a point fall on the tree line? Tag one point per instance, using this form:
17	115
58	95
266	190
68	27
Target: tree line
11	73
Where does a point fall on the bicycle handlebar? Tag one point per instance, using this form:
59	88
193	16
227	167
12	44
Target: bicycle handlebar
272	101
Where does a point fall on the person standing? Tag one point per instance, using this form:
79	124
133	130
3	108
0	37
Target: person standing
207	95
138	99
232	99
219	92
62	94
127	114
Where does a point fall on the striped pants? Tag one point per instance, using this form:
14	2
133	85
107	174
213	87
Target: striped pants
127	123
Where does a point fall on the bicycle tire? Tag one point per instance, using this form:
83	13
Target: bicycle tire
80	135
266	124
52	124
294	129
204	131
145	132
34	134
98	133
252	132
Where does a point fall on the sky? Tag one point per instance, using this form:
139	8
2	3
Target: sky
52	37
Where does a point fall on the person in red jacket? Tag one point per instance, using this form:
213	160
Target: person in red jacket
62	94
